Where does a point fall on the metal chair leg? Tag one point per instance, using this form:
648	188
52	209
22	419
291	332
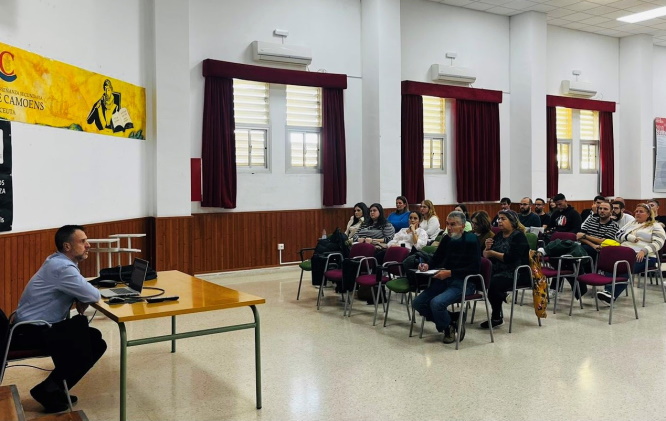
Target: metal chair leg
298	295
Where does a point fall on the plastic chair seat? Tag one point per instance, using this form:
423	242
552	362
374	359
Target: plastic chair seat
306	265
597	279
399	285
370	280
334	275
552	273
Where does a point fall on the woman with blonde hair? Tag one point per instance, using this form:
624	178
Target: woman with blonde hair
430	222
645	237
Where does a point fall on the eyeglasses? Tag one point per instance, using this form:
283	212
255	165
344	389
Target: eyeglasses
424	206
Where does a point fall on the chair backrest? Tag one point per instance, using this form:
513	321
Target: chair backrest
486	271
532	239
496	230
396	254
609	255
362	250
563	236
429	249
4	338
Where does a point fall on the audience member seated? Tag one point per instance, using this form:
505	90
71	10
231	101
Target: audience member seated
468	225
505	204
400	218
618	213
654	204
457	256
539	205
413	236
360	215
646	237
376	230
526	216
565	218
593	210
624	205
430	221
481	227
507	250
551	206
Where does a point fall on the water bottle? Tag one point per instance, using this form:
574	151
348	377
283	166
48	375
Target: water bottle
323	233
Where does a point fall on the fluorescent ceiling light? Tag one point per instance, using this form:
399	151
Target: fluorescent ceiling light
640	17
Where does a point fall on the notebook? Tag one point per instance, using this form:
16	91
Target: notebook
139	271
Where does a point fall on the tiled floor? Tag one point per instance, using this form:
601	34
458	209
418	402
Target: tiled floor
318	365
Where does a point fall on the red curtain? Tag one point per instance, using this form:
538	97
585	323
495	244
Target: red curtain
607	154
218	155
552	172
334	156
412	148
477	151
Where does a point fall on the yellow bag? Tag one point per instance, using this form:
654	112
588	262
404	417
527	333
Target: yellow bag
540	288
609	242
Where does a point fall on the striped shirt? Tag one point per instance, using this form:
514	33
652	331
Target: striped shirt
593	227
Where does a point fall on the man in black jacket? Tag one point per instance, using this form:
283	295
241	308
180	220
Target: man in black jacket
565	218
457	256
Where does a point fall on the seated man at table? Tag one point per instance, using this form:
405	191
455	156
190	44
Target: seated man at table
457	256
72	344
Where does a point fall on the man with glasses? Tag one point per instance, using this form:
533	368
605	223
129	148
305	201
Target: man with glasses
526	216
618	215
539	210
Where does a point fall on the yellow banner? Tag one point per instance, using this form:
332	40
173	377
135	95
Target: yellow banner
38	90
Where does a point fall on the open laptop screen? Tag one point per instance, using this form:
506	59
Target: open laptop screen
138	274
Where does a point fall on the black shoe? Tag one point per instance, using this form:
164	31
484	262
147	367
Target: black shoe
498	322
52	401
604	296
449	336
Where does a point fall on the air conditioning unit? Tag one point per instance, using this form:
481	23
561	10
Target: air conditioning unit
450	74
268	51
579	89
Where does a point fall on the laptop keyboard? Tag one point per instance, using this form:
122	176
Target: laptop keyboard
123	290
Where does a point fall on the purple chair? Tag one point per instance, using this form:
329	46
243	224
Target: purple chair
392	267
363	252
617	260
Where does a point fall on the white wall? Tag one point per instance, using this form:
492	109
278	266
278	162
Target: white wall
224	30
63	176
429	30
597	56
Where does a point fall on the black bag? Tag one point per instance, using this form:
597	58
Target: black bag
336	242
122	274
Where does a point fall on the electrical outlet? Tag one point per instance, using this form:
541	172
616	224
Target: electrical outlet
280	246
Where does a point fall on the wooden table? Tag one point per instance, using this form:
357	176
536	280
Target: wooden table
196	295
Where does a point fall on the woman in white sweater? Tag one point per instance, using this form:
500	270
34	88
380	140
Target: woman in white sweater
412	236
643	235
430	221
360	215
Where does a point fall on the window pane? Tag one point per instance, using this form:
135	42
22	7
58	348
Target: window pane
588	157
563	156
563	122
250	102
258	148
303	106
433	153
589	125
296	140
242	147
311	150
426	153
434	120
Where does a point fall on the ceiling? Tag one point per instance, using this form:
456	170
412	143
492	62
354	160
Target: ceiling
596	16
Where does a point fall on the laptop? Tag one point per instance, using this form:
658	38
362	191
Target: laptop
139	271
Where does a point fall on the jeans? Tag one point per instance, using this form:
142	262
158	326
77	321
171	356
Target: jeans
639	267
433	302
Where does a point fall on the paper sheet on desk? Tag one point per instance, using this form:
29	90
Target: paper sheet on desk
428	272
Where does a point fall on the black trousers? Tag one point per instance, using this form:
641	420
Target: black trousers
499	286
73	345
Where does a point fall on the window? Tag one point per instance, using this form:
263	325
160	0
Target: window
434	134
303	128
589	141
251	118
564	127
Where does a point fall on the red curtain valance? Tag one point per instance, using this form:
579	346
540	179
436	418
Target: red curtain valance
579	103
226	69
447	91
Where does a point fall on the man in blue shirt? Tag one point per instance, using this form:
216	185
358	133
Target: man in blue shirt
73	345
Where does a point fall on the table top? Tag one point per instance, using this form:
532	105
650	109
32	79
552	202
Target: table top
103	240
127	235
196	295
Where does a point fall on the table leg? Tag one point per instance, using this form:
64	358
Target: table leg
129	255
173	332
123	371
257	354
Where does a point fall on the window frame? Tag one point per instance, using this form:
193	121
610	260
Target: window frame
594	143
266	168
429	137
